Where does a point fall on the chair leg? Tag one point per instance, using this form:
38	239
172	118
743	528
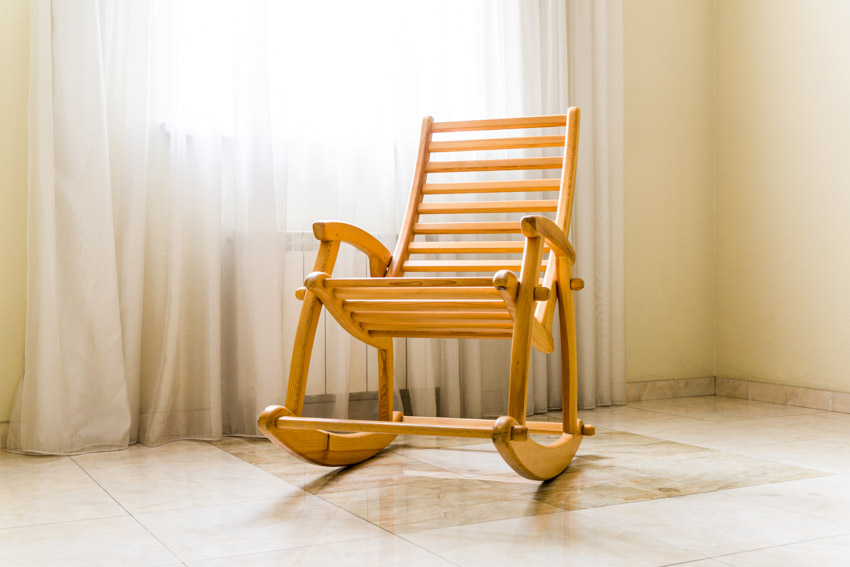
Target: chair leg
521	339
569	359
385	383
305	333
301	353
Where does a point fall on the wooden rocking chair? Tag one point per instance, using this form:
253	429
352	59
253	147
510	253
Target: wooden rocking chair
504	306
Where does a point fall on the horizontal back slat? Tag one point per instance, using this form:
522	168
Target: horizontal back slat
467	247
492	186
436	325
446	334
501	124
505	227
498	144
494	165
467	207
464	265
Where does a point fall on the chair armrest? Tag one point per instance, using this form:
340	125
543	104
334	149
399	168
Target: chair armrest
379	256
538	225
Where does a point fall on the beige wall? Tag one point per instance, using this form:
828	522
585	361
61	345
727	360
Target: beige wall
14	60
783	192
669	88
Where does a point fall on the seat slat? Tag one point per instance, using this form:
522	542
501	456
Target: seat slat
474	207
464	265
445	334
498	144
494	165
501	227
370	305
501	123
401	316
416	293
409	282
437	325
470	247
491	186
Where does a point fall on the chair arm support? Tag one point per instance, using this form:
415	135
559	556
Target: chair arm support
379	256
538	225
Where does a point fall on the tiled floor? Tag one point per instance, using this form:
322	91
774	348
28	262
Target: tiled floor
696	481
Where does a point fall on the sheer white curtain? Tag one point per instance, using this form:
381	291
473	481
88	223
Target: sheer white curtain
596	86
176	148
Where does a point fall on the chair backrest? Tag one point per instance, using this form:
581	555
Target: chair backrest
427	185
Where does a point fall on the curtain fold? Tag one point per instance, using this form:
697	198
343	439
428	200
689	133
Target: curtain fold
178	149
596	86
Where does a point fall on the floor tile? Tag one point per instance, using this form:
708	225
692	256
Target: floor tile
715	524
816	553
39	490
833	422
467	460
823	452
426	505
710	470
728	436
251	449
90	543
826	497
586	484
553	539
636	420
387	550
180	475
385	469
620	448
253	527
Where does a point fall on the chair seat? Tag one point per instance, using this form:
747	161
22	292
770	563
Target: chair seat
463	307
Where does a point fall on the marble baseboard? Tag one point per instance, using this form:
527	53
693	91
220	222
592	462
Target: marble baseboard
4	432
665	389
787	395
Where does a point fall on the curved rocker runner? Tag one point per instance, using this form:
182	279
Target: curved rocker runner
397	301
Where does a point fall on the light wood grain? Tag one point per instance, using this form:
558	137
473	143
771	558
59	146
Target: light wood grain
501	123
478	207
521	185
443	333
464	265
442	317
494	165
468	247
497	227
498	143
407	282
379	256
322	447
423	305
343	293
412	215
534	225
